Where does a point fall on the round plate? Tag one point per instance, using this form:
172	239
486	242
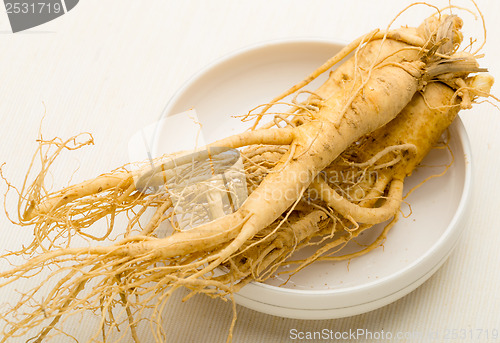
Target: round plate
415	247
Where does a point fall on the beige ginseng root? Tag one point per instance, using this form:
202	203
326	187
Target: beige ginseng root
373	86
391	153
337	209
338	116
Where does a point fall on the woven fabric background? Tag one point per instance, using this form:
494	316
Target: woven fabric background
109	68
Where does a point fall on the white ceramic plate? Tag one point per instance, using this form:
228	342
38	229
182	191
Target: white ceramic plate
415	248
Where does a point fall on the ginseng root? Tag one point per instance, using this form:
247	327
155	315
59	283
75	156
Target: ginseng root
354	110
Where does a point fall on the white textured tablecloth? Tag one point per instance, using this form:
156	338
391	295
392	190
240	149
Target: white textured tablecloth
109	67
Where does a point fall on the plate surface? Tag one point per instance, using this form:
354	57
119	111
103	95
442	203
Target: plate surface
415	247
